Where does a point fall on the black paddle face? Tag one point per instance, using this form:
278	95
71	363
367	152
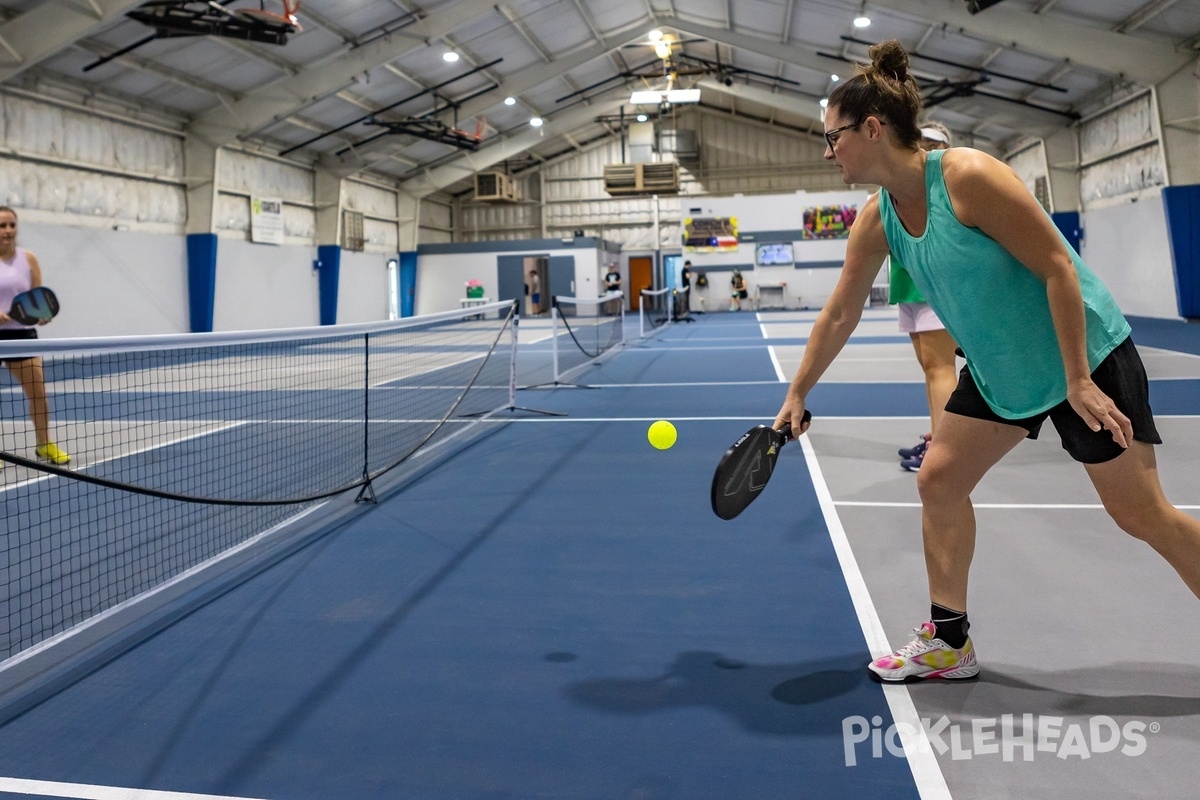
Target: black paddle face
34	306
745	469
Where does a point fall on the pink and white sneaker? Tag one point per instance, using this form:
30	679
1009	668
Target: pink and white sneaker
927	657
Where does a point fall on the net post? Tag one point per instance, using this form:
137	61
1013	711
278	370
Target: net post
512	359
622	318
367	493
554	335
641	313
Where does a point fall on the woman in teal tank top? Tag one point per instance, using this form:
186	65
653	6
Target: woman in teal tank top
1042	336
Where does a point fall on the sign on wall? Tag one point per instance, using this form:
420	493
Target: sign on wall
829	222
710	234
266	220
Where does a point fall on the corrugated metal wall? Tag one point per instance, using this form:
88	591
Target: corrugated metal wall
91	169
735	156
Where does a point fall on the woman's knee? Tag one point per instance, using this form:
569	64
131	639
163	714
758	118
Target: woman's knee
938	482
1146	521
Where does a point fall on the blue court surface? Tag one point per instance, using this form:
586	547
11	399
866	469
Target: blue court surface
554	612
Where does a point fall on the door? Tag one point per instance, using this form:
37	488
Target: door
641	276
510	273
562	276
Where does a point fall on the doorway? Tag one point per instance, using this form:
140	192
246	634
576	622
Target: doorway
641	276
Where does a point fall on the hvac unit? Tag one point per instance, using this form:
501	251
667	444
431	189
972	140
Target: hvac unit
495	187
661	177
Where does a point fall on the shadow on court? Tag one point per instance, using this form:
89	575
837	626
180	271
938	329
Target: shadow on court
774	699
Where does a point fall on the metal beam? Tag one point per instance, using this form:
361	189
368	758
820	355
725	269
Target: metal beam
1104	51
53	26
790	54
283	98
1143	15
468	164
513	86
804	106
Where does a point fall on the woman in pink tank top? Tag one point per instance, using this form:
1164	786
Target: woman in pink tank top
20	272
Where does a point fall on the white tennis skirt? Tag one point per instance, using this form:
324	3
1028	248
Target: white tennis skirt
918	318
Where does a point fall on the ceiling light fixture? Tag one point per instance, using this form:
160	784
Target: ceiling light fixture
450	56
537	122
824	102
834	78
655	35
862	21
658	97
510	101
642	118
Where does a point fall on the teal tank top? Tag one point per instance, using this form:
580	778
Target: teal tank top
995	308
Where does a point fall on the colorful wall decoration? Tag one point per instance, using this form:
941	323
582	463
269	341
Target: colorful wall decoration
710	234
829	222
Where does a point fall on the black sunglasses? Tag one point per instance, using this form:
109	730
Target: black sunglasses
831	137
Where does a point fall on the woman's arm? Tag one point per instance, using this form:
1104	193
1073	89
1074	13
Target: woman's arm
865	252
986	194
35	270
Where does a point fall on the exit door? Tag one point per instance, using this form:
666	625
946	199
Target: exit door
641	276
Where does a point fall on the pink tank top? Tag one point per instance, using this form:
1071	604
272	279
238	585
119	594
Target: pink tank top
15	278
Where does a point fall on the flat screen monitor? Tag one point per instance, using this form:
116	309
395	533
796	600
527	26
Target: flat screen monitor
766	255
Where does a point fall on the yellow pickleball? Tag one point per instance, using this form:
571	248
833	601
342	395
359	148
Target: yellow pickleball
661	434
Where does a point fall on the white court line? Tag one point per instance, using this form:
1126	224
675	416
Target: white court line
775	363
681	383
1041	506
168	443
75	630
927	773
91	792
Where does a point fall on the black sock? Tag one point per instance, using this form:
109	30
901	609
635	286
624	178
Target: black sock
952	626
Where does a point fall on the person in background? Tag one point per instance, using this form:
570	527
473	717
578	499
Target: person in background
20	272
933	345
612	283
738	291
683	303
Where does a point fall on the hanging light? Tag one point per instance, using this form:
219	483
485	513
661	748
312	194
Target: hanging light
510	101
537	122
450	56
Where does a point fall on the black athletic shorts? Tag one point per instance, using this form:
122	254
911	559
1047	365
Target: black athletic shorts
9	334
18	333
1120	375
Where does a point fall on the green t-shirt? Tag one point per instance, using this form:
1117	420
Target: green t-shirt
901	288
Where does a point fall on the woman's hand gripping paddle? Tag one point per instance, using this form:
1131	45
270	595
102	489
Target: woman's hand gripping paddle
746	467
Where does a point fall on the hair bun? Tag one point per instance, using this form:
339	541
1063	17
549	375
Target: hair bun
891	59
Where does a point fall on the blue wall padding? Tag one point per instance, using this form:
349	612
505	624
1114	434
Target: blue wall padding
202	280
1182	204
1068	224
329	261
408	283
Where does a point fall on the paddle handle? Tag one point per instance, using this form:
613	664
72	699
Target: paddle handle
786	430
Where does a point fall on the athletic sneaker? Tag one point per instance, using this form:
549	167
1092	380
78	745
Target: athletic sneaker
913	464
913	452
927	657
51	452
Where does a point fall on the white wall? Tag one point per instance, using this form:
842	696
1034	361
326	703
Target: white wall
264	286
111	283
442	278
1126	245
809	287
362	287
